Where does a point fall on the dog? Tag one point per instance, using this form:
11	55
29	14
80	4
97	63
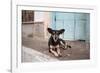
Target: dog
55	43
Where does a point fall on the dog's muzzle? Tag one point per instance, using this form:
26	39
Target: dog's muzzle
55	37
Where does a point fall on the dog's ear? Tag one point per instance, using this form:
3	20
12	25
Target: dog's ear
49	30
61	31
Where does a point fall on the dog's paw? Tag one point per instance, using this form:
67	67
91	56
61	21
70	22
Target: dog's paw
56	54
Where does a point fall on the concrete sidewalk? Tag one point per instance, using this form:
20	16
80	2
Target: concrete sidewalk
30	55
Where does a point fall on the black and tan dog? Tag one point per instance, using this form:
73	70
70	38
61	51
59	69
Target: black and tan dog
55	43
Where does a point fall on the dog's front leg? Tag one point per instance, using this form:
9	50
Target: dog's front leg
58	50
53	51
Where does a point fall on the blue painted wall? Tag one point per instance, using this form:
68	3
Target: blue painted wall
76	25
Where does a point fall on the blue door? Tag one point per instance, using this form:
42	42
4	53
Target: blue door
82	26
73	23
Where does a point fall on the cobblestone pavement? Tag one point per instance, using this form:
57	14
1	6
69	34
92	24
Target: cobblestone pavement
35	50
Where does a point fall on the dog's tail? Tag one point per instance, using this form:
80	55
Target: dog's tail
68	46
65	47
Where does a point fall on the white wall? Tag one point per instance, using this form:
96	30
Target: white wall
39	16
44	17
